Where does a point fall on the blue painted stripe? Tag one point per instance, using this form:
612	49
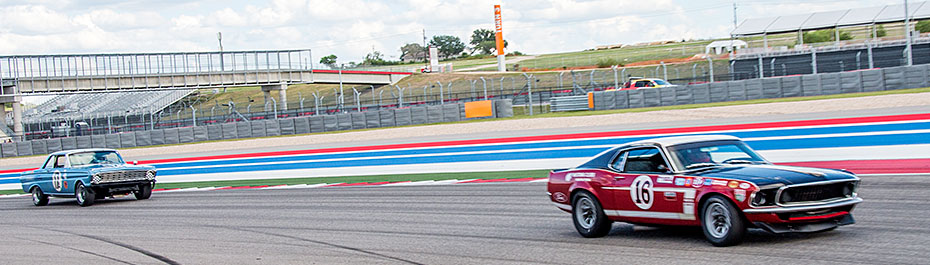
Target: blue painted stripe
575	143
585	152
448	154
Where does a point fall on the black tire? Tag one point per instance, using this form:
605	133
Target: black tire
721	222
38	197
144	192
588	216
85	197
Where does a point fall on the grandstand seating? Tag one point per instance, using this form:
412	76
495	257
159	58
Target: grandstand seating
103	104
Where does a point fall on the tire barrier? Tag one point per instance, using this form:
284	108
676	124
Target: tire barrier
903	77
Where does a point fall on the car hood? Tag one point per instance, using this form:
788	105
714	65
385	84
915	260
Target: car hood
103	168
763	175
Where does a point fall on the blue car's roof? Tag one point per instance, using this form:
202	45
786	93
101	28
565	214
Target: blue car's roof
65	152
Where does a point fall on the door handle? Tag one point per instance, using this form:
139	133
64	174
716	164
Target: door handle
619	177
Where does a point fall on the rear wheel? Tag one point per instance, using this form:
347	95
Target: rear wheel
144	192
85	197
722	224
38	197
589	217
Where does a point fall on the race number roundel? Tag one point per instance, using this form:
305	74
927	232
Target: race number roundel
641	192
57	180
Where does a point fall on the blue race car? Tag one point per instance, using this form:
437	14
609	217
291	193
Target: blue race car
87	175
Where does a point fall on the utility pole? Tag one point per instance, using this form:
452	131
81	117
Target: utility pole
907	32
219	37
734	14
425	50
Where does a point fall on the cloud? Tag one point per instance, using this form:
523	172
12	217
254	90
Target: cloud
352	28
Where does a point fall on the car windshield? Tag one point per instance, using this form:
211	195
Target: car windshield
661	82
710	154
94	157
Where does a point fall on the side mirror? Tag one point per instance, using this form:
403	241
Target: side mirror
134	162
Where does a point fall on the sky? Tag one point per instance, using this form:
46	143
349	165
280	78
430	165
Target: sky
350	29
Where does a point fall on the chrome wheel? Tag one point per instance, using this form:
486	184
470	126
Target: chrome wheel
585	213
85	196
80	194
38	197
718	219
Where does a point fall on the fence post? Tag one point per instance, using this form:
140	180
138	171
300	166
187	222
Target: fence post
711	68
871	64
665	71
193	115
485	84
615	76
358	102
762	69
814	60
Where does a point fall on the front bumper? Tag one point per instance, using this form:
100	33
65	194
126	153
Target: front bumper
822	225
126	186
803	218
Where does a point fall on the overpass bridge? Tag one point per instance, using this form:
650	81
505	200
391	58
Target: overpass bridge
272	70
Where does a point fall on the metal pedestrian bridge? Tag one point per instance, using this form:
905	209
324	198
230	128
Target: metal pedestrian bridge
36	75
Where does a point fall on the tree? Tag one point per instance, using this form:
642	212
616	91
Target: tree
922	26
377	58
448	45
824	36
329	60
412	52
485	41
880	31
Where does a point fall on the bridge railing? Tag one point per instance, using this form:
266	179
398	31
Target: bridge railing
83	65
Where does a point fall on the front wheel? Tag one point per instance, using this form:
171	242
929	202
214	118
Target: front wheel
85	197
589	217
38	197
722	224
144	192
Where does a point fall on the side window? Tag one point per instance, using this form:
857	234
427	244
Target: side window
50	163
617	164
646	160
644	83
59	161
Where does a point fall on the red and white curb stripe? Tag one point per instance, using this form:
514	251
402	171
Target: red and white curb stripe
331	185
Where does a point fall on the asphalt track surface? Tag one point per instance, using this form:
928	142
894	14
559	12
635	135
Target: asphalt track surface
451	224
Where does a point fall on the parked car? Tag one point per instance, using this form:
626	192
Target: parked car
715	182
87	175
640	83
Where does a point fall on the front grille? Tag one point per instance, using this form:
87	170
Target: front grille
817	193
121	176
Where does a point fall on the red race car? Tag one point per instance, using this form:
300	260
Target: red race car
716	182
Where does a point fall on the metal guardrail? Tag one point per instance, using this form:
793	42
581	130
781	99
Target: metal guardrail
569	103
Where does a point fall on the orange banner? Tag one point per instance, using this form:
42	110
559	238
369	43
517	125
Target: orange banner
498	30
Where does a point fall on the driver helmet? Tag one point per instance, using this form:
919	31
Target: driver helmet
696	156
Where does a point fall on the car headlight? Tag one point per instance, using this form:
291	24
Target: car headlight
851	189
150	175
95	179
764	197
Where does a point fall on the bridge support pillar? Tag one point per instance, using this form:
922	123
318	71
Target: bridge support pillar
282	96
18	120
17	111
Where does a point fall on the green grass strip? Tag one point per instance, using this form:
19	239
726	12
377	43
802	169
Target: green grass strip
352	179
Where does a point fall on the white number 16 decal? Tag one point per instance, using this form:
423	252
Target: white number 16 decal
641	192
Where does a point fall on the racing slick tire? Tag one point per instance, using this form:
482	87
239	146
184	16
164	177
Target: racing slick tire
144	192
721	222
85	197
38	197
588	216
